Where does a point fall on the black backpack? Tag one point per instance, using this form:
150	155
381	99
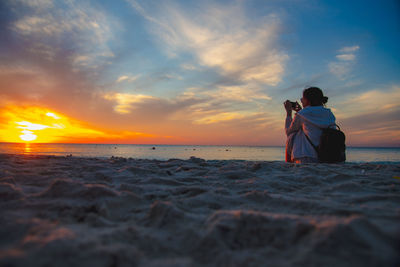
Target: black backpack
332	147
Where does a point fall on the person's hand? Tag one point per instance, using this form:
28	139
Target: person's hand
288	107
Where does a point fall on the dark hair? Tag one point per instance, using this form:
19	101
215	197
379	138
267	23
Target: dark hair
315	96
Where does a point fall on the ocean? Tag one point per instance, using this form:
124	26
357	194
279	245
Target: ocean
164	152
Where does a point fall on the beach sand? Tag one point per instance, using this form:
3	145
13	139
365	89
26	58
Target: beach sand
69	211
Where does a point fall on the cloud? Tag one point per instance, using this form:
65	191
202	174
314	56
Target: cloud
222	37
126	102
30	126
344	64
349	49
220	117
346	57
347	53
50	27
127	78
51	114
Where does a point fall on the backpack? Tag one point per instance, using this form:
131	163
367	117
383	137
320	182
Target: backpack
332	147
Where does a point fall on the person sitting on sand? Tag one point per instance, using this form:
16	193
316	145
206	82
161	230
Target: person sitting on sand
307	121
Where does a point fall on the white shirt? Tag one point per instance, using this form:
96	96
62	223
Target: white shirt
308	121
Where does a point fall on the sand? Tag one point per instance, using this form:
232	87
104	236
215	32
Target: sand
69	211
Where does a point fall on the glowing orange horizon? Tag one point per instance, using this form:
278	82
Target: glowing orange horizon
42	125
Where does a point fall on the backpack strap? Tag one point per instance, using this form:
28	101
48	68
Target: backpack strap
331	126
309	140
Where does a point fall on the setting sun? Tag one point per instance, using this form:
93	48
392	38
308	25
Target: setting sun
27	136
41	125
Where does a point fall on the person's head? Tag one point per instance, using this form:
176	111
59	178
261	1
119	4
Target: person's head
313	96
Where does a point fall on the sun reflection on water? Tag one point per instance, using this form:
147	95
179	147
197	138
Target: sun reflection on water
28	148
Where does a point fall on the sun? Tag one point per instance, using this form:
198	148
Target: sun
27	136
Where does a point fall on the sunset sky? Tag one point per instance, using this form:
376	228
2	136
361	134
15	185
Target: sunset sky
195	72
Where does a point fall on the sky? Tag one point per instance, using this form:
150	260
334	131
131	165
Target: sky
195	72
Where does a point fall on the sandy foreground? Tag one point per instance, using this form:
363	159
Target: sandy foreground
68	211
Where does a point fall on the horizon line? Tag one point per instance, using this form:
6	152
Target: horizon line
25	143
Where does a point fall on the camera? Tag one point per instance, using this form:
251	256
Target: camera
294	104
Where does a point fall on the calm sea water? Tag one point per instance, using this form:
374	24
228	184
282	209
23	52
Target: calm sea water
163	152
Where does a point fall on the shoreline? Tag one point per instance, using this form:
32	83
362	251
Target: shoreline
81	211
357	155
185	159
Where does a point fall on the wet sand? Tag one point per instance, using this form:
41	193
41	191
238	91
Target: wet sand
69	211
